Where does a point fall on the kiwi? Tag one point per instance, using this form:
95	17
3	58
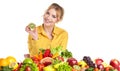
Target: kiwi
32	26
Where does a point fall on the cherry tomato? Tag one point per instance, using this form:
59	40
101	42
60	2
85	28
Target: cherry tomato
27	68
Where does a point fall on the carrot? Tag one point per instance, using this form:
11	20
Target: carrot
96	69
40	55
36	56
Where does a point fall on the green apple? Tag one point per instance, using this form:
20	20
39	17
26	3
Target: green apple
49	68
32	26
27	60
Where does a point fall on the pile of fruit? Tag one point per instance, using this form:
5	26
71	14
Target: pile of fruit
8	64
56	59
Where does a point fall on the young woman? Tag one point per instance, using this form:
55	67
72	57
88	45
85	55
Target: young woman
48	35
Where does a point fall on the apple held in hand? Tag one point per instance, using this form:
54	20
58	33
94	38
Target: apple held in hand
115	63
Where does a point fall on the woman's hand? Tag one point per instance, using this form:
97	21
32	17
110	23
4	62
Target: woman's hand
33	33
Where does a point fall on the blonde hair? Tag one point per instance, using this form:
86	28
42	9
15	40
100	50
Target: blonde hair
59	10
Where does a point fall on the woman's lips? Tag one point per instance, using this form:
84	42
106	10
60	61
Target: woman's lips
47	21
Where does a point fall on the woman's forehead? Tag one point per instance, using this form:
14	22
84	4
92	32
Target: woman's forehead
52	11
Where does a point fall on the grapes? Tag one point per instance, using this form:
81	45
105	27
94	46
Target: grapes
89	62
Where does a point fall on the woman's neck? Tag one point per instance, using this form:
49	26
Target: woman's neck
49	31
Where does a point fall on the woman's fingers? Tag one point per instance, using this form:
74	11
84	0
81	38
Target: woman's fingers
33	33
27	29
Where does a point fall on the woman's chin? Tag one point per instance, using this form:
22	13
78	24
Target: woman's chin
47	24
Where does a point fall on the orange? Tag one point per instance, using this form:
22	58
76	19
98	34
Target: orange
3	62
11	59
0	61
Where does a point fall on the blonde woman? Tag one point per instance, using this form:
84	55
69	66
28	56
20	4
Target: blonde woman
48	34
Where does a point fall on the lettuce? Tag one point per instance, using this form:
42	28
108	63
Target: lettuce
64	67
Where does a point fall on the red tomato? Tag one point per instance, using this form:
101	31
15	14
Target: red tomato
41	66
60	58
27	68
36	62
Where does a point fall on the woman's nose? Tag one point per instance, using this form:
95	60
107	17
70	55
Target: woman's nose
49	17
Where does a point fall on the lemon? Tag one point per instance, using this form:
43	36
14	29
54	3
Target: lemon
13	65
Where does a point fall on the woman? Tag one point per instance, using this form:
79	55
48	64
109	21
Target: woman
48	34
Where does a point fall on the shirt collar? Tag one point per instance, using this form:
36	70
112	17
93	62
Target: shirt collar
55	30
41	30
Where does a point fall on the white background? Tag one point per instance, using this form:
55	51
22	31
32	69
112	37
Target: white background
93	26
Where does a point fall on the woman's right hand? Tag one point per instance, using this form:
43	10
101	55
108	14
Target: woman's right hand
33	33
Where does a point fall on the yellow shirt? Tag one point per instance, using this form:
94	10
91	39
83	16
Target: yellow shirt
60	38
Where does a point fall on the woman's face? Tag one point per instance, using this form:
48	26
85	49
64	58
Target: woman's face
50	18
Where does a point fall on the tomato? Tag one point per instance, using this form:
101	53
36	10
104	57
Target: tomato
34	58
27	68
60	58
36	62
41	66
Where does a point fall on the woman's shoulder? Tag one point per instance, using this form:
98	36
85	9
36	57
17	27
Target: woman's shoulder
39	26
60	30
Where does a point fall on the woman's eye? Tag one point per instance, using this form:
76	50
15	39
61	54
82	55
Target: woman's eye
47	13
53	16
